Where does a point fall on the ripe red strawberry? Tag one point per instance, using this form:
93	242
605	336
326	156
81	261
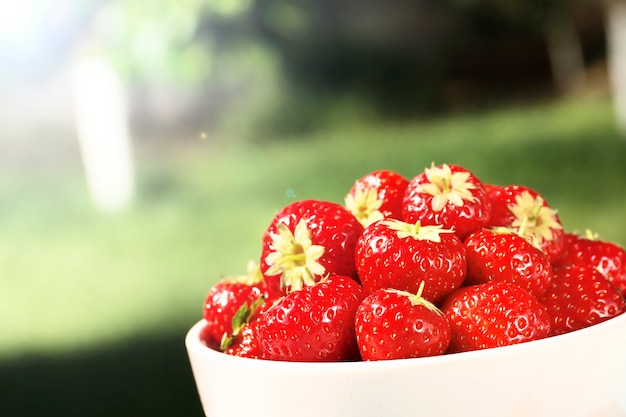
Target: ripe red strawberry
314	324
502	255
447	195
494	314
206	337
307	240
529	213
227	297
399	255
607	257
376	196
580	296
246	344
392	324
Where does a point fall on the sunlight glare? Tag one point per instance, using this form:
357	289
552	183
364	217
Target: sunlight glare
16	18
103	133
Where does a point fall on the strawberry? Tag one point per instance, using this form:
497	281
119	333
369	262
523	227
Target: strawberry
314	324
607	257
307	240
377	195
580	296
246	343
529	213
227	297
399	255
206	337
502	255
447	195
494	314
392	324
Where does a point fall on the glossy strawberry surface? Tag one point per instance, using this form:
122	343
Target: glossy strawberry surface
307	240
447	195
529	213
399	255
314	324
392	324
505	256
377	195
492	315
224	300
247	344
207	338
606	257
580	296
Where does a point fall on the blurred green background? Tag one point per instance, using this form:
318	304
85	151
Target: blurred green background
234	109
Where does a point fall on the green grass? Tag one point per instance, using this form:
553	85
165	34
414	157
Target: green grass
73	278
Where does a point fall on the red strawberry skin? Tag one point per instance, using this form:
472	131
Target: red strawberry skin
506	257
386	260
580	296
314	324
500	198
494	314
207	337
377	195
607	257
223	301
390	326
447	195
247	344
521	207
330	226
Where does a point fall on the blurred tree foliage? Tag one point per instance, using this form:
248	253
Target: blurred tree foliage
400	56
555	21
170	41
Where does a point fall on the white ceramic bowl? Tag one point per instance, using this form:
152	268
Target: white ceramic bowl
580	374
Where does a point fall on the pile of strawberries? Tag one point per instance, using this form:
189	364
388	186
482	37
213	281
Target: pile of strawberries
438	264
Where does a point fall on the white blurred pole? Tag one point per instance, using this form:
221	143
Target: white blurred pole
102	127
616	39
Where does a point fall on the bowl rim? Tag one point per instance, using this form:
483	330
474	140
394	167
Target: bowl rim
195	347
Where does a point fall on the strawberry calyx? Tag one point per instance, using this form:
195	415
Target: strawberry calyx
447	187
239	320
503	230
519	231
591	235
417	299
538	220
417	231
295	257
365	205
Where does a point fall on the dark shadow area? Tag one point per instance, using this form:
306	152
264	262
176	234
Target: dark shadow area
144	377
